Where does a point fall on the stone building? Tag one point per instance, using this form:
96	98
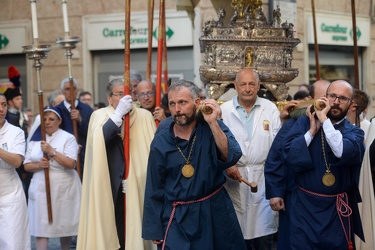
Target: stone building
99	24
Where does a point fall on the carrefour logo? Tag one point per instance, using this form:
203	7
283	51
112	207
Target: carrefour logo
3	41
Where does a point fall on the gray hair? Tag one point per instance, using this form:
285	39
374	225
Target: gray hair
52	98
194	90
114	81
135	76
67	80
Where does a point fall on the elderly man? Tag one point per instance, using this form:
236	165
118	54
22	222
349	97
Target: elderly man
102	209
81	114
254	122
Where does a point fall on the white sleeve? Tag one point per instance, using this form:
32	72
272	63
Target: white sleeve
334	138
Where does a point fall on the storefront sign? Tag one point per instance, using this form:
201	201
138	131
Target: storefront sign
108	32
337	30
12	39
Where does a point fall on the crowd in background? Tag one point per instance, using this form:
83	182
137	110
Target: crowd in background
249	171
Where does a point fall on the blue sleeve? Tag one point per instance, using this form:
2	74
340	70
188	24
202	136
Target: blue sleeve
296	154
234	149
152	225
274	169
85	113
110	130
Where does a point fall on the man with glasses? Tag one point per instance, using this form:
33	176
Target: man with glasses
146	96
81	114
103	187
325	151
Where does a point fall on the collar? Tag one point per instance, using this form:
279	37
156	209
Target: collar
237	105
67	104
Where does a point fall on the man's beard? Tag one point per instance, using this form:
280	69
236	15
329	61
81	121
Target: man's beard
185	122
337	117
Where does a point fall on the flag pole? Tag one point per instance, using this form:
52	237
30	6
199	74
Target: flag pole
151	4
356	67
316	45
159	65
126	92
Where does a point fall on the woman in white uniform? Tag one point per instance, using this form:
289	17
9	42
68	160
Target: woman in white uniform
14	222
61	149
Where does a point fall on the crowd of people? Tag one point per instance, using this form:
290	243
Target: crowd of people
237	176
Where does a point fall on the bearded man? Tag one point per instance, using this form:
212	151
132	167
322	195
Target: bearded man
185	205
325	151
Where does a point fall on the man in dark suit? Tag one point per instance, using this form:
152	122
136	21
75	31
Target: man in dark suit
81	114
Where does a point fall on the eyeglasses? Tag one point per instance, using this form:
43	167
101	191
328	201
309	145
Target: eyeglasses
342	99
143	95
119	95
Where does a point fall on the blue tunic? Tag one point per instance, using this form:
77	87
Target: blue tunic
314	221
210	224
280	183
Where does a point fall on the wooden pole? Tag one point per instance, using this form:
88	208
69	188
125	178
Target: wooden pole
151	4
165	57
356	67
75	125
159	65
126	92
43	132
316	45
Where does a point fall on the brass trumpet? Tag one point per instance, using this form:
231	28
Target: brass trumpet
202	108
205	109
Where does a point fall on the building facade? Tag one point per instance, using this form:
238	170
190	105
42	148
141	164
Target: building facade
100	26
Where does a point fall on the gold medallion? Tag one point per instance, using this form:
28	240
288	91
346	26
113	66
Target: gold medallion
187	170
328	179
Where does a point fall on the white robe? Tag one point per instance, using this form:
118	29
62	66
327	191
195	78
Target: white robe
367	207
254	214
14	221
97	228
65	187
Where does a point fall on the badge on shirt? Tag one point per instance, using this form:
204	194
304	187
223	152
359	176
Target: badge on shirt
266	125
5	146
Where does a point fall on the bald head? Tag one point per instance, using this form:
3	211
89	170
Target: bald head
344	86
319	88
245	71
146	94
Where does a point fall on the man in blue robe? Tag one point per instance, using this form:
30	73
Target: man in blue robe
185	205
325	151
280	179
81	114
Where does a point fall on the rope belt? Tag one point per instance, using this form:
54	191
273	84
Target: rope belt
176	203
342	208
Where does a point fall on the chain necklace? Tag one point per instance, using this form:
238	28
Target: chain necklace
188	169
328	178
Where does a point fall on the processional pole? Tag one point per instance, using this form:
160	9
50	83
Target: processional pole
37	52
165	58
356	68
126	92
151	4
159	65
68	43
316	45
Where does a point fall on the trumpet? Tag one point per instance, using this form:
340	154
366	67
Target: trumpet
205	109
319	105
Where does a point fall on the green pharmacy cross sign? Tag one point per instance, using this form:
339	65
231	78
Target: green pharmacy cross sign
168	33
3	41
